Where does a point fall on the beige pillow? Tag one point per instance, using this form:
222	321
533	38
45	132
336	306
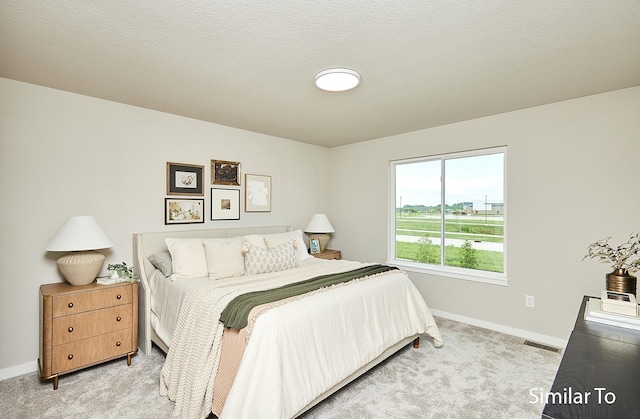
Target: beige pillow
256	240
224	257
258	260
295	237
187	258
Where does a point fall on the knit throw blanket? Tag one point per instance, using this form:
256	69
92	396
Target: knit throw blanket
190	368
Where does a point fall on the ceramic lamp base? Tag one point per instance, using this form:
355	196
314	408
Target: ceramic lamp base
81	268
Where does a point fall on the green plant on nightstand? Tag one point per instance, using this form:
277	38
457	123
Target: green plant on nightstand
121	270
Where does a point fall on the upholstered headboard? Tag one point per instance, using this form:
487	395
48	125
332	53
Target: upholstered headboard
147	244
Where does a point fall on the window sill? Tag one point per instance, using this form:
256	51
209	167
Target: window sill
456	273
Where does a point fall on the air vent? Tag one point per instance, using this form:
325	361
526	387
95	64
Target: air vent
541	346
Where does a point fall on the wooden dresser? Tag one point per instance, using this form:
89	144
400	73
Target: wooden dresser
86	325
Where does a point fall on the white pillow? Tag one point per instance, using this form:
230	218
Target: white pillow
187	258
256	240
300	248
224	257
258	260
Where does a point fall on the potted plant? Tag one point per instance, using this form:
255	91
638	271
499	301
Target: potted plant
121	270
621	260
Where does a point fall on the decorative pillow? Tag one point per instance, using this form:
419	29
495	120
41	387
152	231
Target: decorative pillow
188	258
258	260
300	248
224	257
162	262
255	239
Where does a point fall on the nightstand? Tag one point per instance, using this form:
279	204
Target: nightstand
85	325
329	254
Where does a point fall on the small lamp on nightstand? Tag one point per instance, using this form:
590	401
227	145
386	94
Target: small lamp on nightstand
80	235
319	228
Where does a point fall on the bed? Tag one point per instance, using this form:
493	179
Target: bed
296	328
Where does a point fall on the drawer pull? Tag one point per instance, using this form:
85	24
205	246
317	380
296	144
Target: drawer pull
119	296
118	318
118	344
70	329
70	305
70	357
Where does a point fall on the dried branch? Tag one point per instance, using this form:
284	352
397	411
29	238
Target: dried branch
618	257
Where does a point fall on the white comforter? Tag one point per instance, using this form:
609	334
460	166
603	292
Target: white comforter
296	351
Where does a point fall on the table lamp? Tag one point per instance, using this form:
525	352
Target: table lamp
80	235
319	228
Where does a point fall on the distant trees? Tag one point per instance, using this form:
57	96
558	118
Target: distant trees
457	209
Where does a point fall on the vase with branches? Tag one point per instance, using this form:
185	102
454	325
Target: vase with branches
621	259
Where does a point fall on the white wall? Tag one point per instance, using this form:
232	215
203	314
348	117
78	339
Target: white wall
63	154
572	178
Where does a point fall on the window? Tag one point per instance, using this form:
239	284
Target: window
447	215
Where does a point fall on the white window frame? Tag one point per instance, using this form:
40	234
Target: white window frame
496	278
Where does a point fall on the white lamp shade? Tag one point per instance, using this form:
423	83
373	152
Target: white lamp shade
80	232
319	224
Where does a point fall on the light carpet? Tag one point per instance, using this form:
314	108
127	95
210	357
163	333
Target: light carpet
478	373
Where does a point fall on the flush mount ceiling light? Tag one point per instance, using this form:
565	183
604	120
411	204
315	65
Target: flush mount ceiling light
337	79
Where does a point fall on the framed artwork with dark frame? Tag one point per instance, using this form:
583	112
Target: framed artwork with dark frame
185	179
183	211
225	204
225	172
257	193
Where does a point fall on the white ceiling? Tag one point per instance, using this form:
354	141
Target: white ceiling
251	64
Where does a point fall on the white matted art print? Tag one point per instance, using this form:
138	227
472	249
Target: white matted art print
257	193
225	204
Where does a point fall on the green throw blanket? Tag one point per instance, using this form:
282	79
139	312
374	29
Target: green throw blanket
236	314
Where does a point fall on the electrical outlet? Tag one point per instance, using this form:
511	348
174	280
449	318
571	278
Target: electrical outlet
529	301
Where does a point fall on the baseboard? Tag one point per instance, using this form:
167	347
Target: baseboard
17	370
525	334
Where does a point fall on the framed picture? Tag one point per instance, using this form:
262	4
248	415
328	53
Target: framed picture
225	172
183	211
257	193
314	246
185	179
225	204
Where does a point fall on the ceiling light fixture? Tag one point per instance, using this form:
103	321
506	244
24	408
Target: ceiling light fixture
337	79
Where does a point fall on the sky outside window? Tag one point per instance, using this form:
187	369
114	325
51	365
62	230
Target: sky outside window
468	179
